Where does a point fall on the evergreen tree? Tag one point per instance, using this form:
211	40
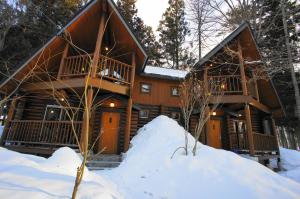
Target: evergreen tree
34	22
143	32
173	30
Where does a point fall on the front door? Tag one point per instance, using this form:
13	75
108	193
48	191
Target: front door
214	135
109	133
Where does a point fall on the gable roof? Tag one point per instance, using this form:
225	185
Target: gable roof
268	86
76	17
224	42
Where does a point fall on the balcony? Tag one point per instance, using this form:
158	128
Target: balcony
39	132
262	142
107	68
230	85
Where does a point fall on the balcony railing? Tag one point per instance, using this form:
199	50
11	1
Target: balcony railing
58	133
225	84
107	68
264	142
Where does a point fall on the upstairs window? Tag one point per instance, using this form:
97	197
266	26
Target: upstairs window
59	113
145	88
144	114
175	91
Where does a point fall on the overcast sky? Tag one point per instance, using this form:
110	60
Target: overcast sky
151	11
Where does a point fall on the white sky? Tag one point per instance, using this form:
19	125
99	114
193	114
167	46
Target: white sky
151	11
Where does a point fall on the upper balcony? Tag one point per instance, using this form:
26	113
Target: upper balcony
107	68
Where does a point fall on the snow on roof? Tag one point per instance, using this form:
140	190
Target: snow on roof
154	70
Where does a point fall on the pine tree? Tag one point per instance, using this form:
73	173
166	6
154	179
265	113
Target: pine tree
143	32
34	22
173	30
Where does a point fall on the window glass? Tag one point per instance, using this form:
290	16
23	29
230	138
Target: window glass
57	113
53	114
175	91
145	88
175	115
144	113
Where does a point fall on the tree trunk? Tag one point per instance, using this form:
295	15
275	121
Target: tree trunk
290	60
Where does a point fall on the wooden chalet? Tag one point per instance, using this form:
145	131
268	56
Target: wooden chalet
244	121
97	54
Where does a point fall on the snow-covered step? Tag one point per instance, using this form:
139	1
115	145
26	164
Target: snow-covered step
100	162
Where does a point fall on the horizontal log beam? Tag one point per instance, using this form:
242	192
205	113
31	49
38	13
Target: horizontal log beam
108	86
78	83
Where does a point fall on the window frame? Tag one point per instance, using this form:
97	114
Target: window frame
141	87
171	91
144	117
177	113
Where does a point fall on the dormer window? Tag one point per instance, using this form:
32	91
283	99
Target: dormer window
145	88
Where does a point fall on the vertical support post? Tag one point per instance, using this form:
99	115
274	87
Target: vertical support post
86	120
205	78
275	131
256	88
98	46
129	105
10	116
207	127
242	69
249	129
62	61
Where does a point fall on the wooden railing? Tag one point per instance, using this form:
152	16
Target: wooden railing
107	68
75	66
225	84
114	70
61	133
264	142
238	141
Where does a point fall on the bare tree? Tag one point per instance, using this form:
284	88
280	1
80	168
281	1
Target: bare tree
209	95
189	89
200	16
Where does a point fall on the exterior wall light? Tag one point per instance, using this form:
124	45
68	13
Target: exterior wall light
112	105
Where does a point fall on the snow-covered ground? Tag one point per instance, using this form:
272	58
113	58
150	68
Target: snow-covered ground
147	172
31	177
290	163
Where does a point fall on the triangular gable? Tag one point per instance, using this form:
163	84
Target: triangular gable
56	43
269	96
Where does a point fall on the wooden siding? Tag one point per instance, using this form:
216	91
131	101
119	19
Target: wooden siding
160	92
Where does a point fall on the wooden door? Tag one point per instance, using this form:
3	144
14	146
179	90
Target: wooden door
109	133
214	135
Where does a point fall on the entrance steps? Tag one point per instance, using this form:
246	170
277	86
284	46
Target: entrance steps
103	161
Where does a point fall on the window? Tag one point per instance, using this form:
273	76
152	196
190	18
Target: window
59	113
145	88
144	114
175	116
175	91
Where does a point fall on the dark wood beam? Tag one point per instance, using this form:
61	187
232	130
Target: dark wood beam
10	116
57	84
249	129
108	86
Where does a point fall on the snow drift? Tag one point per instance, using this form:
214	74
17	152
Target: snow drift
290	164
149	172
28	176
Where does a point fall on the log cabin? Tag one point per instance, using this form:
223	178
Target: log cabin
97	61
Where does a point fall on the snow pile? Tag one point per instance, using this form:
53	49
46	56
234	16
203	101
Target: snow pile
28	176
149	172
165	71
290	162
290	159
